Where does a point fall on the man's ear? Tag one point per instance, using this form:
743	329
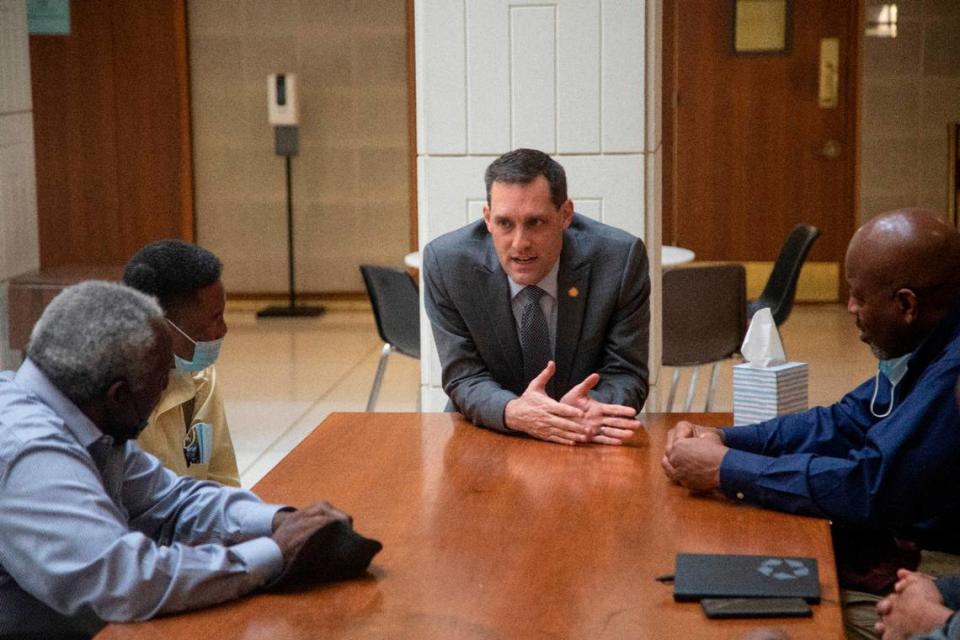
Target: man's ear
908	305
566	213
118	391
486	218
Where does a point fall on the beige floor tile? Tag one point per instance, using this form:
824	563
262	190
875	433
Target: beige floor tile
282	376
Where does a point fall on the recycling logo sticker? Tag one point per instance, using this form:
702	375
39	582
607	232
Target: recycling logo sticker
783	568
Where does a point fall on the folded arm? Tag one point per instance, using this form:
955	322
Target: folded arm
69	546
623	369
903	472
466	378
829	431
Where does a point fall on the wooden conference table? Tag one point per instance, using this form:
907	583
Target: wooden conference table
489	536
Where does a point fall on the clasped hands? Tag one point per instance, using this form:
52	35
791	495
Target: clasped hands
575	419
292	529
319	544
693	455
915	606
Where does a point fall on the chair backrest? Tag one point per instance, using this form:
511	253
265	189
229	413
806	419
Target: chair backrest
781	287
396	307
703	313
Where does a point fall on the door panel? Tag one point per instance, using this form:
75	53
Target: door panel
112	130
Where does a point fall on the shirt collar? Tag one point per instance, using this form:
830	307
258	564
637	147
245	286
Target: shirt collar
180	388
32	379
548	284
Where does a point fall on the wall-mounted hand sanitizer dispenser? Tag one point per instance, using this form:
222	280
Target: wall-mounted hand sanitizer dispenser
282	100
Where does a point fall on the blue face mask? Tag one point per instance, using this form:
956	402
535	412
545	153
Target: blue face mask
204	353
893	369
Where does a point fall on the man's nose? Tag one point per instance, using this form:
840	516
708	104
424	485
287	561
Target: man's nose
521	239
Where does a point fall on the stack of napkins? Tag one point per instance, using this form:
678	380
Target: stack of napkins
767	386
763	393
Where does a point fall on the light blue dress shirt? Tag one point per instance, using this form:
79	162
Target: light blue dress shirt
93	533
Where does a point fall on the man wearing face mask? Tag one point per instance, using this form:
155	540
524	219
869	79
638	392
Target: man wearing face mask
188	430
883	462
93	530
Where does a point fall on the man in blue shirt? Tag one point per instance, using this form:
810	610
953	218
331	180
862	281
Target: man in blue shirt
93	530
885	459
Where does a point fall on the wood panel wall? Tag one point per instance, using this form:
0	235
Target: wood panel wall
112	130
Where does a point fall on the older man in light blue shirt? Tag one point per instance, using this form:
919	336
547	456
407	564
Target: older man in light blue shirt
93	530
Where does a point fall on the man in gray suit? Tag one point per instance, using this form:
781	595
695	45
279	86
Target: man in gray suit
540	315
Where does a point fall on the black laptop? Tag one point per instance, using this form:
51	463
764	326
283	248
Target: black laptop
700	576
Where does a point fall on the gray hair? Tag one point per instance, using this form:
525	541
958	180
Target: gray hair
94	333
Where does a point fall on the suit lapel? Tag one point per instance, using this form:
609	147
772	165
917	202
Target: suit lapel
572	280
495	298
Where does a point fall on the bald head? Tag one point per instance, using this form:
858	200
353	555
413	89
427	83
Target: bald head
903	268
907	248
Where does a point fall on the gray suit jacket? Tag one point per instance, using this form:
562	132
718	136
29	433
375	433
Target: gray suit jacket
601	328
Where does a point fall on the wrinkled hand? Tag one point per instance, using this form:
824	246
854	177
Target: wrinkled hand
920	582
293	528
608	423
915	606
684	429
540	416
694	462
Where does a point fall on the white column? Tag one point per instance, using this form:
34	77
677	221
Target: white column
578	79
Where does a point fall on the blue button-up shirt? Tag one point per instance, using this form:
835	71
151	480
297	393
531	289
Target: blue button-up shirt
900	473
91	532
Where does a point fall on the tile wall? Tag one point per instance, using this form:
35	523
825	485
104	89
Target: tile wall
911	89
350	185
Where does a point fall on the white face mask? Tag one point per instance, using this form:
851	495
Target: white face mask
204	353
893	369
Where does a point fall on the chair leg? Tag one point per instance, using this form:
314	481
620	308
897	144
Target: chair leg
673	389
714	374
381	367
692	389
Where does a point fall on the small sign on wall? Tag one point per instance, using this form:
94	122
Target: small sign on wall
48	17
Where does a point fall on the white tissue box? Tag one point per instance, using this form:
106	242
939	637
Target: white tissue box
762	393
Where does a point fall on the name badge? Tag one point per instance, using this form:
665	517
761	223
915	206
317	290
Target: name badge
198	444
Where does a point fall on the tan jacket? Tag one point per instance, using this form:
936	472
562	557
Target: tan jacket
164	436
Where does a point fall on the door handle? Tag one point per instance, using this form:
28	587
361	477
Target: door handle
828	95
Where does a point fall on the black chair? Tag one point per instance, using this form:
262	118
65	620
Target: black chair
781	287
396	308
703	322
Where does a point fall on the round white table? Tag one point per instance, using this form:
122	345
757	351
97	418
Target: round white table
669	256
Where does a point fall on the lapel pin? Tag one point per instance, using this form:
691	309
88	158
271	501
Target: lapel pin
573	292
